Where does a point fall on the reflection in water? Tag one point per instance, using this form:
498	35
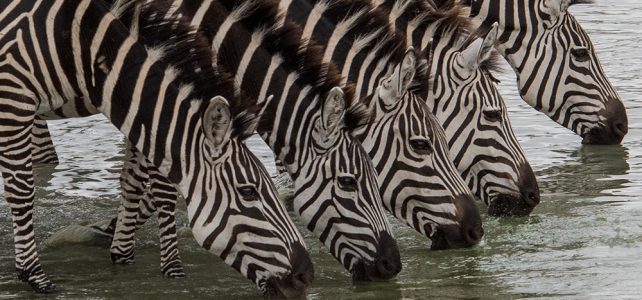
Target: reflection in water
590	171
582	241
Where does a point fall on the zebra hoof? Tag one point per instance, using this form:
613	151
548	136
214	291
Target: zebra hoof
46	287
120	259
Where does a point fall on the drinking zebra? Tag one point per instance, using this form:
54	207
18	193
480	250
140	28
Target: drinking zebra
75	57
558	71
336	196
418	183
422	187
462	94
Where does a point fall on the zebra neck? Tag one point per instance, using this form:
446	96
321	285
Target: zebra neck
124	80
265	60
514	29
355	38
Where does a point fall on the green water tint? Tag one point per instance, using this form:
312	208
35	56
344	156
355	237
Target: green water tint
583	241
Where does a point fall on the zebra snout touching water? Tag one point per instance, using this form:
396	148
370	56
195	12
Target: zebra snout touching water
465	100
232	205
557	67
307	125
419	184
482	143
612	129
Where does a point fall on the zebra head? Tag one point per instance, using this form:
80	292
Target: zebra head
418	182
482	143
559	73
240	217
338	199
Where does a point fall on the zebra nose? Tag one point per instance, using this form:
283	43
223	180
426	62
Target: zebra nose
303	269
529	188
388	264
618	121
614	128
296	283
620	129
474	232
471	224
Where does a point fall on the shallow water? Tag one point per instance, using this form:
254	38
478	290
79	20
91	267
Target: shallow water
583	241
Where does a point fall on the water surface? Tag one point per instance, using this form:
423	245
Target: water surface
583	241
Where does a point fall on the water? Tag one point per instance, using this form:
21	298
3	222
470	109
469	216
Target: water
583	241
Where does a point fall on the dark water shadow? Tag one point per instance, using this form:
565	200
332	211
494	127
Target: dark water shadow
591	171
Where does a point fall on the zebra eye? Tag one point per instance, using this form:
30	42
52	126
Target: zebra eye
492	115
581	54
421	146
347	183
248	192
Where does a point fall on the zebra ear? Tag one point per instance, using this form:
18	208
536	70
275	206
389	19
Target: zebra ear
392	89
217	121
254	118
478	51
334	109
407	71
489	42
468	58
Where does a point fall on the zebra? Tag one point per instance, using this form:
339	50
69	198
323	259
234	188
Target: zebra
336	189
75	56
418	182
422	188
558	71
484	149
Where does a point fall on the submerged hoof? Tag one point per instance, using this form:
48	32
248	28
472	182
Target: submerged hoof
47	287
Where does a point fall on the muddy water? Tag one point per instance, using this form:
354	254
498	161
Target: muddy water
583	241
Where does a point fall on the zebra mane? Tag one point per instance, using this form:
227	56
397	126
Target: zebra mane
369	21
283	38
374	21
188	52
453	19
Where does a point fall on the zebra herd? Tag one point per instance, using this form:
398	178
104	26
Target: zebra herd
368	105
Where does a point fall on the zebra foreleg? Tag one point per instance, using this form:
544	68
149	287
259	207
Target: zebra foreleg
133	180
17	172
43	151
164	197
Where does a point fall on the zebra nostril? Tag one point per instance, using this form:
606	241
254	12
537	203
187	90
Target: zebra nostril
475	234
620	129
532	199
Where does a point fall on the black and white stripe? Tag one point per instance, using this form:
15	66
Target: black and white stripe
418	183
307	126
74	56
558	71
464	98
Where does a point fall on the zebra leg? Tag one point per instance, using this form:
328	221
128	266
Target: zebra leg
43	151
17	172
164	197
133	180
